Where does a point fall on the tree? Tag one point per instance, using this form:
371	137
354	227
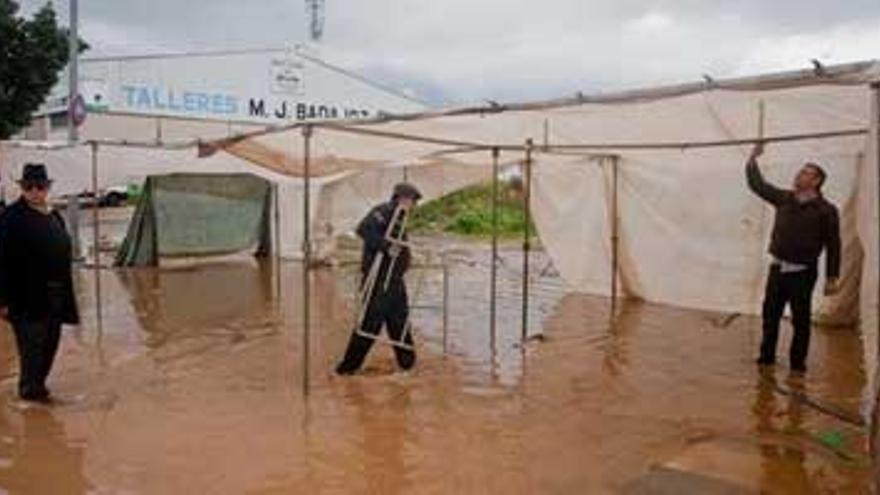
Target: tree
32	54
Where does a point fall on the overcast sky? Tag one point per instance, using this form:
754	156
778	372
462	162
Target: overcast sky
462	51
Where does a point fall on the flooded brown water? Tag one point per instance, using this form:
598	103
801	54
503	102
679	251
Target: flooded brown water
193	385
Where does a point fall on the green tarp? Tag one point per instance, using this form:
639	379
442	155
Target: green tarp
184	215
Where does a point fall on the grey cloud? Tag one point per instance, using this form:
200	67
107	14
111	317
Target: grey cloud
467	50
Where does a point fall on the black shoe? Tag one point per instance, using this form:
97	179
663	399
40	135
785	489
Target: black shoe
798	369
342	370
763	361
41	396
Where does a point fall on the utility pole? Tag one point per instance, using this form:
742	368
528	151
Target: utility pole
72	131
73	68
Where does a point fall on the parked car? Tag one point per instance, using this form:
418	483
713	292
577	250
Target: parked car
114	196
110	197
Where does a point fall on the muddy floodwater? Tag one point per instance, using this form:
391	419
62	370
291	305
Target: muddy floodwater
192	383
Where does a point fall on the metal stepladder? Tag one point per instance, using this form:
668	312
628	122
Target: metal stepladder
368	290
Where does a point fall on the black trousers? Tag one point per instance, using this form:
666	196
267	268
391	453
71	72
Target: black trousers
794	289
391	309
37	342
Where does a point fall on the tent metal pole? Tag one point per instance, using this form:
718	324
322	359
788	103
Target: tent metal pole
96	239
527	207
445	309
493	281
546	134
615	231
73	213
307	253
875	414
761	120
277	239
96	236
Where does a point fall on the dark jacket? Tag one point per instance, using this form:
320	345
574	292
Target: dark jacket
35	265
801	230
372	229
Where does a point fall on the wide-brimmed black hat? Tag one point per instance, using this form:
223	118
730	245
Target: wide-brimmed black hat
406	190
34	173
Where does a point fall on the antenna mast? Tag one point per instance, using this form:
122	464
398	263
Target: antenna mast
315	9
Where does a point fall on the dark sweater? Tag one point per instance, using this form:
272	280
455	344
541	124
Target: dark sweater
372	230
35	265
801	230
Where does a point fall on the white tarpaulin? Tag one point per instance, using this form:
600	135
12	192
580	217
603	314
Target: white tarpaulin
691	233
338	200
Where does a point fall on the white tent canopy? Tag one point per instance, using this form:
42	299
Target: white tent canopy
338	199
690	233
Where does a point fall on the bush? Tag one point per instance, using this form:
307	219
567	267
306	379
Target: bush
469	212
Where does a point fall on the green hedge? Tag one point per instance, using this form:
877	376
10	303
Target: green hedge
469	212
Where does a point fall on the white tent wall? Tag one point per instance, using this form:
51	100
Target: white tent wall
338	202
869	231
686	215
692	234
71	169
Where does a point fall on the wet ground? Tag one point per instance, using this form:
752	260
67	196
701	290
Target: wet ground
192	383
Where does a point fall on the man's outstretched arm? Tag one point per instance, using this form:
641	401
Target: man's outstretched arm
756	182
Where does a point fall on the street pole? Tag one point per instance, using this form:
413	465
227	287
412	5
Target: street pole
73	73
72	131
307	255
874	430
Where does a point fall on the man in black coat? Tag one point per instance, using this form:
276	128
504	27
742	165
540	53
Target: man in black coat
805	225
385	305
36	282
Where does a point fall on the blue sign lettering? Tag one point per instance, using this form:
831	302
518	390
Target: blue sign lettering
155	98
129	95
189	102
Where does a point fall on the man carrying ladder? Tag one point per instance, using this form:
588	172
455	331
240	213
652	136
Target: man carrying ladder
383	300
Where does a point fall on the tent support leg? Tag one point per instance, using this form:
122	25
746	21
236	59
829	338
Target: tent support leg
493	281
445	309
875	414
277	240
527	207
96	240
307	254
615	233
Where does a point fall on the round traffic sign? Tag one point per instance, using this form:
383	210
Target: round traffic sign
78	110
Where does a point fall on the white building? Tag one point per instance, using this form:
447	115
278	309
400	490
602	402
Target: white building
237	88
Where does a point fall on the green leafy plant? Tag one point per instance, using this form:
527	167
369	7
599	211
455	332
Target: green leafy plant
32	54
468	212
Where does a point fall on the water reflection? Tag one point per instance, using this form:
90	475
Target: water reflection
210	300
35	456
213	385
616	356
779	422
383	423
8	358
